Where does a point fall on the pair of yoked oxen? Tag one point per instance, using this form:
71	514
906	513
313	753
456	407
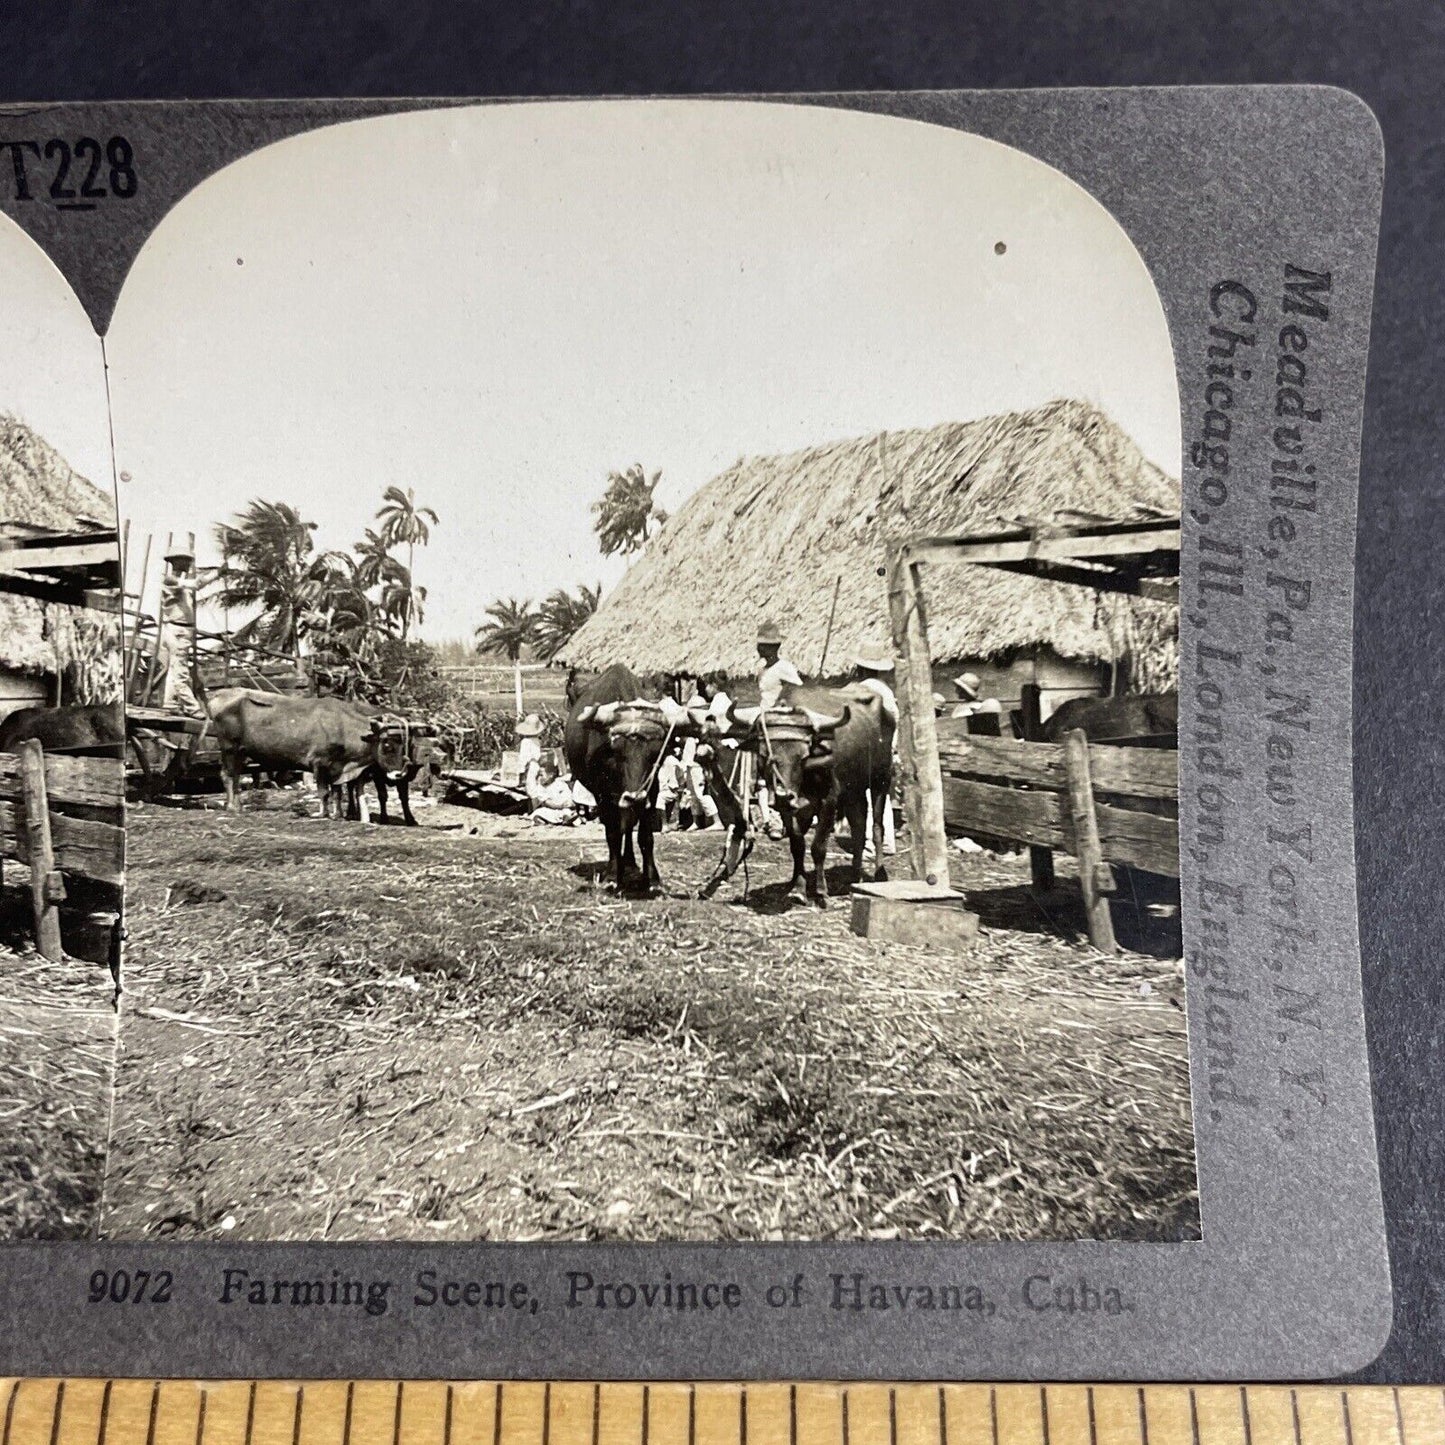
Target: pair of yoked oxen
823	756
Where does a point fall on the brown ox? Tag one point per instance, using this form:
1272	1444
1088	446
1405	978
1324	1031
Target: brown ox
328	737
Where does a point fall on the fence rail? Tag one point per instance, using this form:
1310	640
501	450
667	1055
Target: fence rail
61	815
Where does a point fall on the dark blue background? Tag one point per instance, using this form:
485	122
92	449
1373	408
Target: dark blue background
1392	55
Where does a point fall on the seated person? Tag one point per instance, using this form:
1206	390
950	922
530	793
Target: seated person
550	795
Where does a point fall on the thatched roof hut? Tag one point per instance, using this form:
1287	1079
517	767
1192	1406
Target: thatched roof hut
777	536
39	641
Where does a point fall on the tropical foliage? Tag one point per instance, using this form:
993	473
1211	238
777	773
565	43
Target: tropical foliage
341	609
560	615
513	626
627	515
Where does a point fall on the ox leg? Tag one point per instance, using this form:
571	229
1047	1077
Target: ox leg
651	879
326	786
797	842
612	826
379	778
822	836
231	776
403	796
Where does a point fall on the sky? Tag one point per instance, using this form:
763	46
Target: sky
52	375
498	305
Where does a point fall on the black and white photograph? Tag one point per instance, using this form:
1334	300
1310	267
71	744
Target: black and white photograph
650	643
61	738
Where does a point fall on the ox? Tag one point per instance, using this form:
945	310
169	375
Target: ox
1147	716
615	739
74	728
824	755
391	762
328	737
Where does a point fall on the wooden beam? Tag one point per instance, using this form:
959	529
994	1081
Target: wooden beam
1160	589
18	584
1100	579
47	888
918	742
1095	878
85	782
87	553
1061	548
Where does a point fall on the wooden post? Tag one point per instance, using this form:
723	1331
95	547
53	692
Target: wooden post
917	736
47	887
1095	877
1041	860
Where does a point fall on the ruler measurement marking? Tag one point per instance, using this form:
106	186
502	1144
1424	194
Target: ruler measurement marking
845	1419
1194	1416
792	1415
447	1419
1244	1416
597	1414
1294	1414
1345	1412
546	1416
942	1416
646	1413
200	1414
497	1420
296	1415
1044	1412
104	1425
1144	1420
992	1412
691	1418
10	1409
396	1415
1399	1420
1093	1424
743	1416
60	1405
251	1411
892	1416
346	1426
156	1404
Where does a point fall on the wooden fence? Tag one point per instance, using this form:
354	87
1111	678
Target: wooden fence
1102	804
61	815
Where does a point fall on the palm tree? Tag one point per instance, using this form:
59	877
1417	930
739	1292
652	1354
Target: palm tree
626	511
374	563
403	521
561	615
268	552
513	627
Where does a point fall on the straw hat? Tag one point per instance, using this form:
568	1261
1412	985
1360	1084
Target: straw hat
968	684
874	656
769	633
181	547
530	726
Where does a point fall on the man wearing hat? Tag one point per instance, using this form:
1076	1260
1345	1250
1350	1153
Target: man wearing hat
872	669
529	749
777	680
968	686
176	639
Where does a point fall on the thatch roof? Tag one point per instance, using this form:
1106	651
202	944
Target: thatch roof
40	492
772	536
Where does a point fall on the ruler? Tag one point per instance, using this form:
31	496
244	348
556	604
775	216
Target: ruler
390	1412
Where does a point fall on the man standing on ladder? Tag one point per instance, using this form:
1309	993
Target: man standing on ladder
872	669
176	639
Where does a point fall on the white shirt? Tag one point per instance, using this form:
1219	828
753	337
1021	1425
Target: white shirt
776	681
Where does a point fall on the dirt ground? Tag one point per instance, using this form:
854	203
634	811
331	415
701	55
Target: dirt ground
57	1060
346	1032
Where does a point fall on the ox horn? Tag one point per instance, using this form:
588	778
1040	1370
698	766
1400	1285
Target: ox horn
823	722
747	716
587	714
